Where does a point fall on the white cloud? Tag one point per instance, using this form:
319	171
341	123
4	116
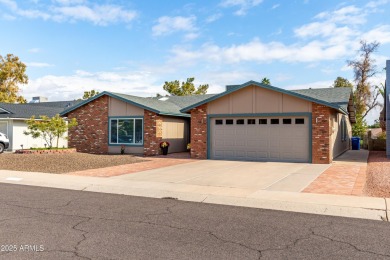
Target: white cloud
275	6
99	15
8	17
10	4
380	34
213	18
374	4
243	5
191	36
38	64
258	51
34	50
74	10
70	2
142	83
167	25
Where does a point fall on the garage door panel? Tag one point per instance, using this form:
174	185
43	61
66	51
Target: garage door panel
278	142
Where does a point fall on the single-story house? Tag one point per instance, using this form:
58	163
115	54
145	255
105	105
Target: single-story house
252	121
13	121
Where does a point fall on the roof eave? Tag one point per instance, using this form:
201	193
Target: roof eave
269	87
63	113
174	114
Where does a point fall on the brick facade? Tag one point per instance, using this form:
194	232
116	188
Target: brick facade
152	133
91	133
199	132
321	134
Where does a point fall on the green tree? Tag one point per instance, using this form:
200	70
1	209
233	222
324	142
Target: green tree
364	68
49	129
187	88
341	82
89	94
12	73
360	127
376	124
266	81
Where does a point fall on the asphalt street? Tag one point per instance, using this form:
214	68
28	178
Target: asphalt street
46	223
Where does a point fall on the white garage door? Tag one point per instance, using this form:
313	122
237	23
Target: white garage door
284	139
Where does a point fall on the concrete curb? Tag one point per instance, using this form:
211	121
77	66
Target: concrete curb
333	205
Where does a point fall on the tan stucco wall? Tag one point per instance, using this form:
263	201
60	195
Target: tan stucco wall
119	108
176	132
339	146
253	99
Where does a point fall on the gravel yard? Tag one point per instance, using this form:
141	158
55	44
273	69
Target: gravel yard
62	163
378	175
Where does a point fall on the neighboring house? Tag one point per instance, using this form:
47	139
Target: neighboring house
13	121
251	121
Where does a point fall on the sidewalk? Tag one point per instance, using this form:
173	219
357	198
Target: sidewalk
335	205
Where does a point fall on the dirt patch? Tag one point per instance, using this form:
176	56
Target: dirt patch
378	175
62	163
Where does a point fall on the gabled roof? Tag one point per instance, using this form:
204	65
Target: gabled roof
165	106
336	98
25	111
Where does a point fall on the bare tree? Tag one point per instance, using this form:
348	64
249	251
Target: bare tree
366	97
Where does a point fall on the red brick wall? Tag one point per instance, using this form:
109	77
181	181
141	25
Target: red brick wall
199	132
91	134
152	133
321	133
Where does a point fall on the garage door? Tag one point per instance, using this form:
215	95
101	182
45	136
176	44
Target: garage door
284	139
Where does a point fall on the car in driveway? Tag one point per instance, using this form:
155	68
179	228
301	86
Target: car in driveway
4	142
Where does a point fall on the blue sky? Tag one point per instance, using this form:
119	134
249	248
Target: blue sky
133	47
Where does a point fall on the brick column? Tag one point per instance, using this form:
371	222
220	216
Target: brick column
152	133
321	134
91	133
199	132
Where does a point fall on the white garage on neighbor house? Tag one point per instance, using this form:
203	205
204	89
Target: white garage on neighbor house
13	122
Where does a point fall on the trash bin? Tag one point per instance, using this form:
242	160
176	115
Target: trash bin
355	143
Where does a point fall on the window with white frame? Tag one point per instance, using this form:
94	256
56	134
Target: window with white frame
126	131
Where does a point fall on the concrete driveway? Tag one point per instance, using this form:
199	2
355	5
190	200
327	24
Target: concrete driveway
250	176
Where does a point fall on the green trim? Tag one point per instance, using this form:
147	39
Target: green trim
82	103
173	114
249	83
110	95
113	95
305	114
130	117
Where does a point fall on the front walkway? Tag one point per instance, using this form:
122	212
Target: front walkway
346	176
154	162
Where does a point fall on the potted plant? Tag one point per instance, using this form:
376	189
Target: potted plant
164	147
123	147
189	146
